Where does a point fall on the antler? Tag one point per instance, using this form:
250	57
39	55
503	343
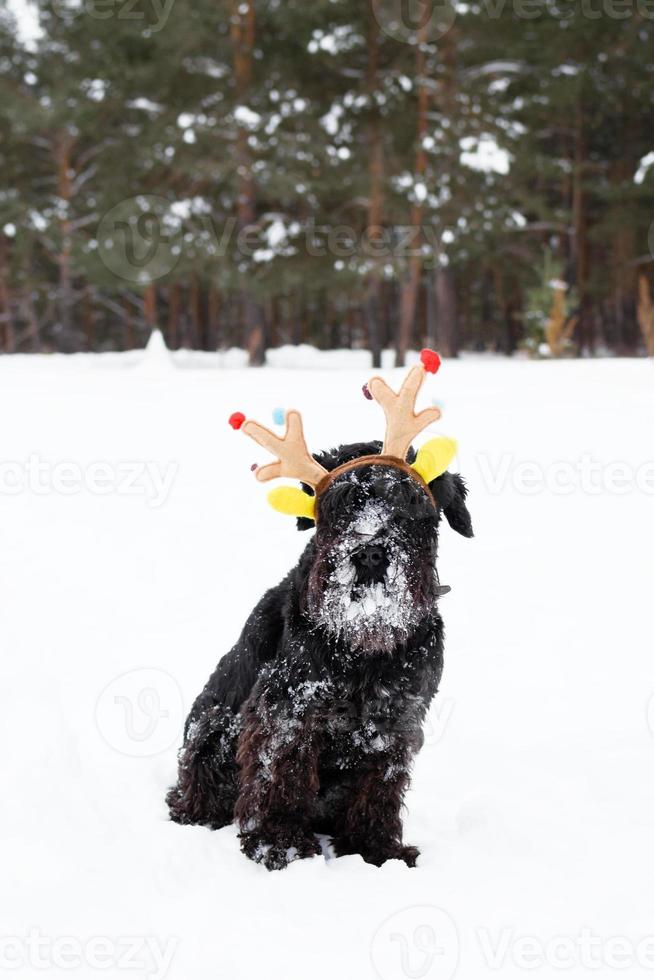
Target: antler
402	422
293	458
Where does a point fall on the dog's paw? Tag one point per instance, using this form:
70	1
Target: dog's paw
378	855
400	852
409	854
183	811
277	851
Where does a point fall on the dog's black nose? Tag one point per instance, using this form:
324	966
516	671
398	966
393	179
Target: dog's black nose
371	563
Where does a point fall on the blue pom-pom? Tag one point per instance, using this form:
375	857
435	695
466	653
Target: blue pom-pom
279	416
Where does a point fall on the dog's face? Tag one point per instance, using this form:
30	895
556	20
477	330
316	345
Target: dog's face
373	577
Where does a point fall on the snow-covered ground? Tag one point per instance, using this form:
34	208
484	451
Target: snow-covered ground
134	543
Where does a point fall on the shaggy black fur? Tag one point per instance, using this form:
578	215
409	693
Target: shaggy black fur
310	724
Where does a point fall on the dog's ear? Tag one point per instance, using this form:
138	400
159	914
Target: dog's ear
450	493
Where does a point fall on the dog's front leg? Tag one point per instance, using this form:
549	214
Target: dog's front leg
278	760
372	825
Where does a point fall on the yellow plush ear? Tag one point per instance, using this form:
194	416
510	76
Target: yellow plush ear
290	500
434	458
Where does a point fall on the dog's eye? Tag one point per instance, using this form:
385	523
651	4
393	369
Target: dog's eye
401	521
342	498
382	489
407	499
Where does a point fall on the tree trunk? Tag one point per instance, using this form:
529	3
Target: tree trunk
447	332
89	318
622	267
63	150
31	319
389	312
150	306
410	287
272	315
214	340
430	313
128	325
586	341
6	313
173	316
256	331
445	298
194	315
646	312
486	336
512	322
408	302
375	201
242	33
298	317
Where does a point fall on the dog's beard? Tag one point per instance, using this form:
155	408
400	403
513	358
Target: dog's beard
373	616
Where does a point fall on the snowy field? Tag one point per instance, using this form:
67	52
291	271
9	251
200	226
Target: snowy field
134	543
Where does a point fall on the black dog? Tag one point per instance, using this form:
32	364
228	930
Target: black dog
310	724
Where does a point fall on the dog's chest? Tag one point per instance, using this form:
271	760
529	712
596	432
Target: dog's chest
367	721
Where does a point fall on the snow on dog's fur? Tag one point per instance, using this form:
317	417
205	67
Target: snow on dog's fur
368	615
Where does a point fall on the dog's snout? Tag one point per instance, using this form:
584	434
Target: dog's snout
371	563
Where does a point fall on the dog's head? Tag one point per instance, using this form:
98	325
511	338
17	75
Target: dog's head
369	578
373	576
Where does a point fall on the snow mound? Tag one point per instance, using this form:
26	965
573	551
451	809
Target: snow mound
156	359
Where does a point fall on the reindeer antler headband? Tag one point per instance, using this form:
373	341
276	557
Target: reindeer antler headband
403	424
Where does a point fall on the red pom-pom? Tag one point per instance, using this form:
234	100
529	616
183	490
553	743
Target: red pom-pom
236	420
366	392
430	360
